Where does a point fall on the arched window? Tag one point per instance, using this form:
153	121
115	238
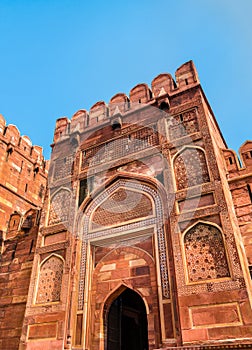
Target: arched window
50	280
205	253
190	168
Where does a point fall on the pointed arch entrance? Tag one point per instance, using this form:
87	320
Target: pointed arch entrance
126	323
125	240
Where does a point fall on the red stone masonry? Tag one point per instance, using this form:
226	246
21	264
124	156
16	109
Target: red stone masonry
143	195
23	176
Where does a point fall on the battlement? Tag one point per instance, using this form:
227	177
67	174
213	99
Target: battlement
239	165
23	172
10	135
162	86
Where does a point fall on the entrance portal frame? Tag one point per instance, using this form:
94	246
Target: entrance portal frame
118	233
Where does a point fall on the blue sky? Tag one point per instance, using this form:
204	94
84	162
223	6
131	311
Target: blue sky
58	56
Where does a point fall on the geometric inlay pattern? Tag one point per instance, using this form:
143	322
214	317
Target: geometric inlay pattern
50	280
121	206
63	167
59	207
121	147
205	253
190	168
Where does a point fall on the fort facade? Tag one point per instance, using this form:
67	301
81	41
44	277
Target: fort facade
144	237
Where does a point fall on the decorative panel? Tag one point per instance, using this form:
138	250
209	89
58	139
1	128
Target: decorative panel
59	208
190	168
63	167
205	253
50	280
121	206
121	147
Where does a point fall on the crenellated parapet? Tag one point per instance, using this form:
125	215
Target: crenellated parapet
239	165
141	199
23	173
163	87
239	175
11	139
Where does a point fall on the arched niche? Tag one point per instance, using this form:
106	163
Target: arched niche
190	167
14	222
59	206
50	280
205	253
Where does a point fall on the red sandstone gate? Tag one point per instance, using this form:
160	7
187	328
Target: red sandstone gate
124	251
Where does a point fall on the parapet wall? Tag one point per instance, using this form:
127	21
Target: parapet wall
10	135
161	86
23	173
239	165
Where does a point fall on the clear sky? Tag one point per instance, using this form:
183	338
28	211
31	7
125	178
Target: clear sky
58	56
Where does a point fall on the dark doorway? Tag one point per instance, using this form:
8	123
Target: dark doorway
127	323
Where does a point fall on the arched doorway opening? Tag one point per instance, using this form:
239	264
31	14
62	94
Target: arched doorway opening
126	323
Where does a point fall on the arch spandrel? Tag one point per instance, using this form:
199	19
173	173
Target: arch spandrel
122	206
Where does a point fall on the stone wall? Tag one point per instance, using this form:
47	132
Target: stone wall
23	175
139	197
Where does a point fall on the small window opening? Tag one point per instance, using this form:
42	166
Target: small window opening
83	191
230	159
97	119
181	117
21	167
31	246
24	148
87	120
248	155
250	271
250	193
116	125
86	187
186	81
14	252
139	100
26	187
9	152
163	106
35	171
